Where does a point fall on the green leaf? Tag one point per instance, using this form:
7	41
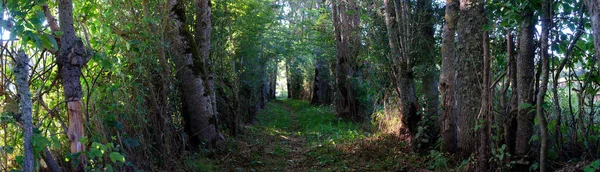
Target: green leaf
83	140
52	42
109	168
19	159
116	156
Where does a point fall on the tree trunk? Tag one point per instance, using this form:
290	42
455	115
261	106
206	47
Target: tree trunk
346	29
447	118
294	78
22	83
485	113
546	26
321	89
70	60
404	81
427	54
593	7
525	82
469	74
273	82
197	85
510	123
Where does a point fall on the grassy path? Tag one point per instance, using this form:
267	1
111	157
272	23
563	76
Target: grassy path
291	135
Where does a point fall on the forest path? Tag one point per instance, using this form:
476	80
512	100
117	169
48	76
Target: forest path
296	142
292	135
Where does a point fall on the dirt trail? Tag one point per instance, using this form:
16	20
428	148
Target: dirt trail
279	143
270	147
296	144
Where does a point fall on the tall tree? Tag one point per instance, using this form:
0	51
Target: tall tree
546	26
71	58
447	122
197	80
510	123
525	82
398	27
469	74
485	113
346	24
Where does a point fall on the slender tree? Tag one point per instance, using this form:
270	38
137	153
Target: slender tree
510	123
485	113
546	26
22	81
71	58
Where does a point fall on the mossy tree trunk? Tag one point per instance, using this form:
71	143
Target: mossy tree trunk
447	122
195	76
469	74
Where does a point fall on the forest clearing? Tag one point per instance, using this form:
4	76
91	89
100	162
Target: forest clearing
299	85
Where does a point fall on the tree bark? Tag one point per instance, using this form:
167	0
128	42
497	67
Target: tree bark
70	60
447	118
525	82
197	84
510	123
469	74
22	81
546	26
347	36
593	7
485	113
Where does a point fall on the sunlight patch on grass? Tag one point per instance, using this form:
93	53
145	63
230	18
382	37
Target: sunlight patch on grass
320	126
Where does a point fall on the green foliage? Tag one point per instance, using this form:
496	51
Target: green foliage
594	166
104	157
438	160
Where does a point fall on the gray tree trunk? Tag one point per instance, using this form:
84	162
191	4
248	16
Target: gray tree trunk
22	81
197	83
469	75
447	118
